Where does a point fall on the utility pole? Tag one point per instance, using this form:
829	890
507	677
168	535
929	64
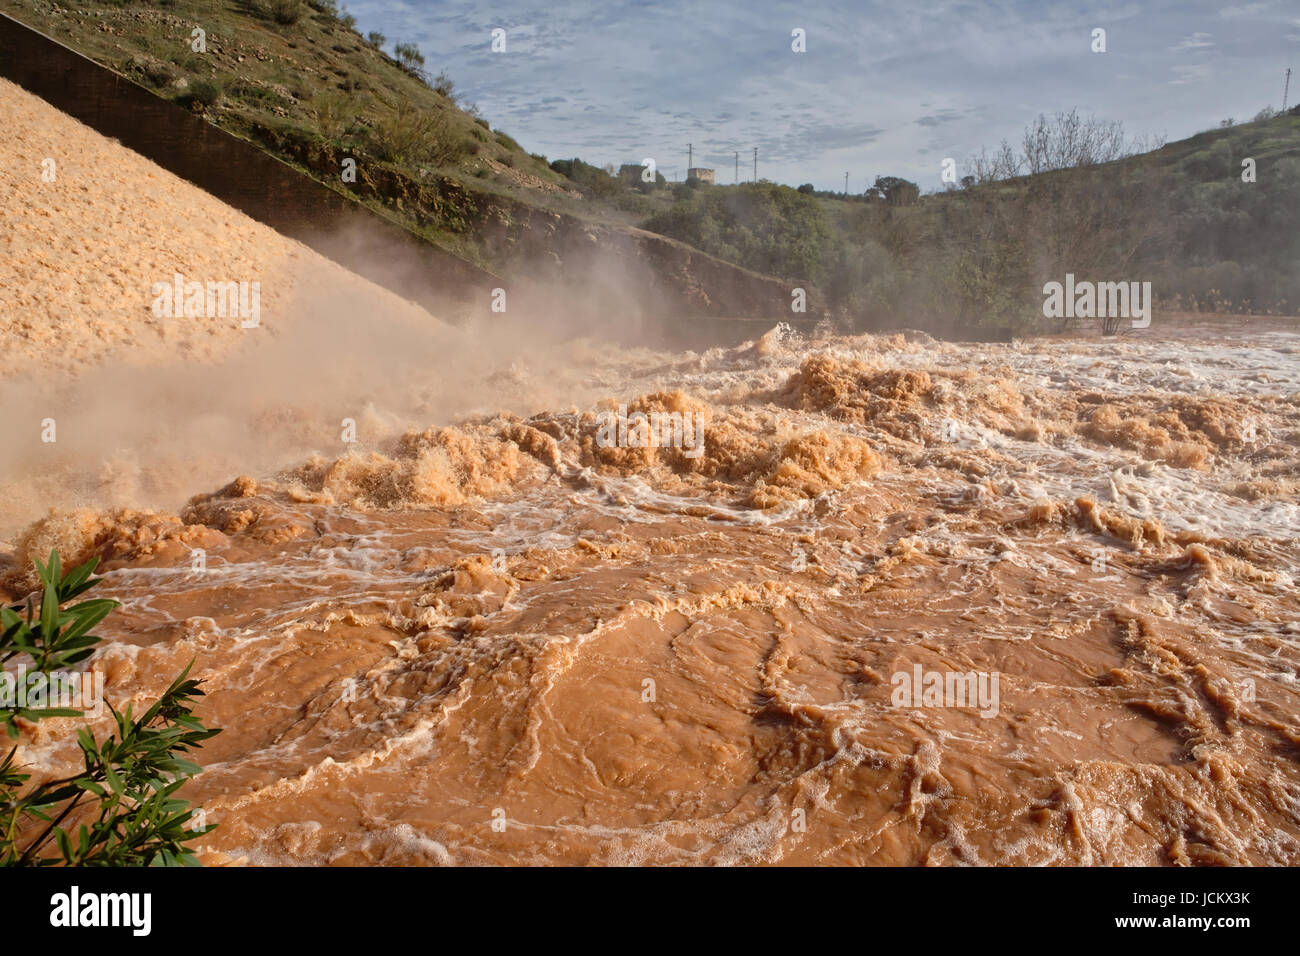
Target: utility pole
755	164
737	166
846	184
1286	88
690	156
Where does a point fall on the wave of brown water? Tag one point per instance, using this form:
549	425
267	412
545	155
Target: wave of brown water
499	642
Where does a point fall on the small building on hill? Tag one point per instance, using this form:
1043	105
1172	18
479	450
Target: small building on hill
700	173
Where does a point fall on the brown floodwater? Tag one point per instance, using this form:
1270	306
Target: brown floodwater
499	641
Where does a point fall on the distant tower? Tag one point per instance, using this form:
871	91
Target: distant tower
755	164
737	165
690	156
1286	88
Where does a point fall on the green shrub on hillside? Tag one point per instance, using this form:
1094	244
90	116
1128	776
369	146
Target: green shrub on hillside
592	181
414	136
203	92
409	55
335	114
442	84
286	12
154	73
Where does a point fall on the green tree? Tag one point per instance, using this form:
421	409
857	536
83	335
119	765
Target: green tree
897	191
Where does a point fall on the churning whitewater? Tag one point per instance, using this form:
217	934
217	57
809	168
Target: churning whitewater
501	642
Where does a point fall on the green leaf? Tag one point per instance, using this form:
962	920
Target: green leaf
78	579
87	615
49	712
90	785
49	612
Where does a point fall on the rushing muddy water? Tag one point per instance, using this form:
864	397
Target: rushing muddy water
504	642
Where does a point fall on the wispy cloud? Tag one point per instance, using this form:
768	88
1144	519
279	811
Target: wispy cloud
939	118
1197	41
1189	73
1247	10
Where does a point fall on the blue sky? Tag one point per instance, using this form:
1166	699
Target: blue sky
883	88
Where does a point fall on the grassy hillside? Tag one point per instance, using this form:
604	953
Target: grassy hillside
298	78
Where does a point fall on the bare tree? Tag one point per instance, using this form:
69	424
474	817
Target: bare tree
1068	141
1002	164
1064	141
